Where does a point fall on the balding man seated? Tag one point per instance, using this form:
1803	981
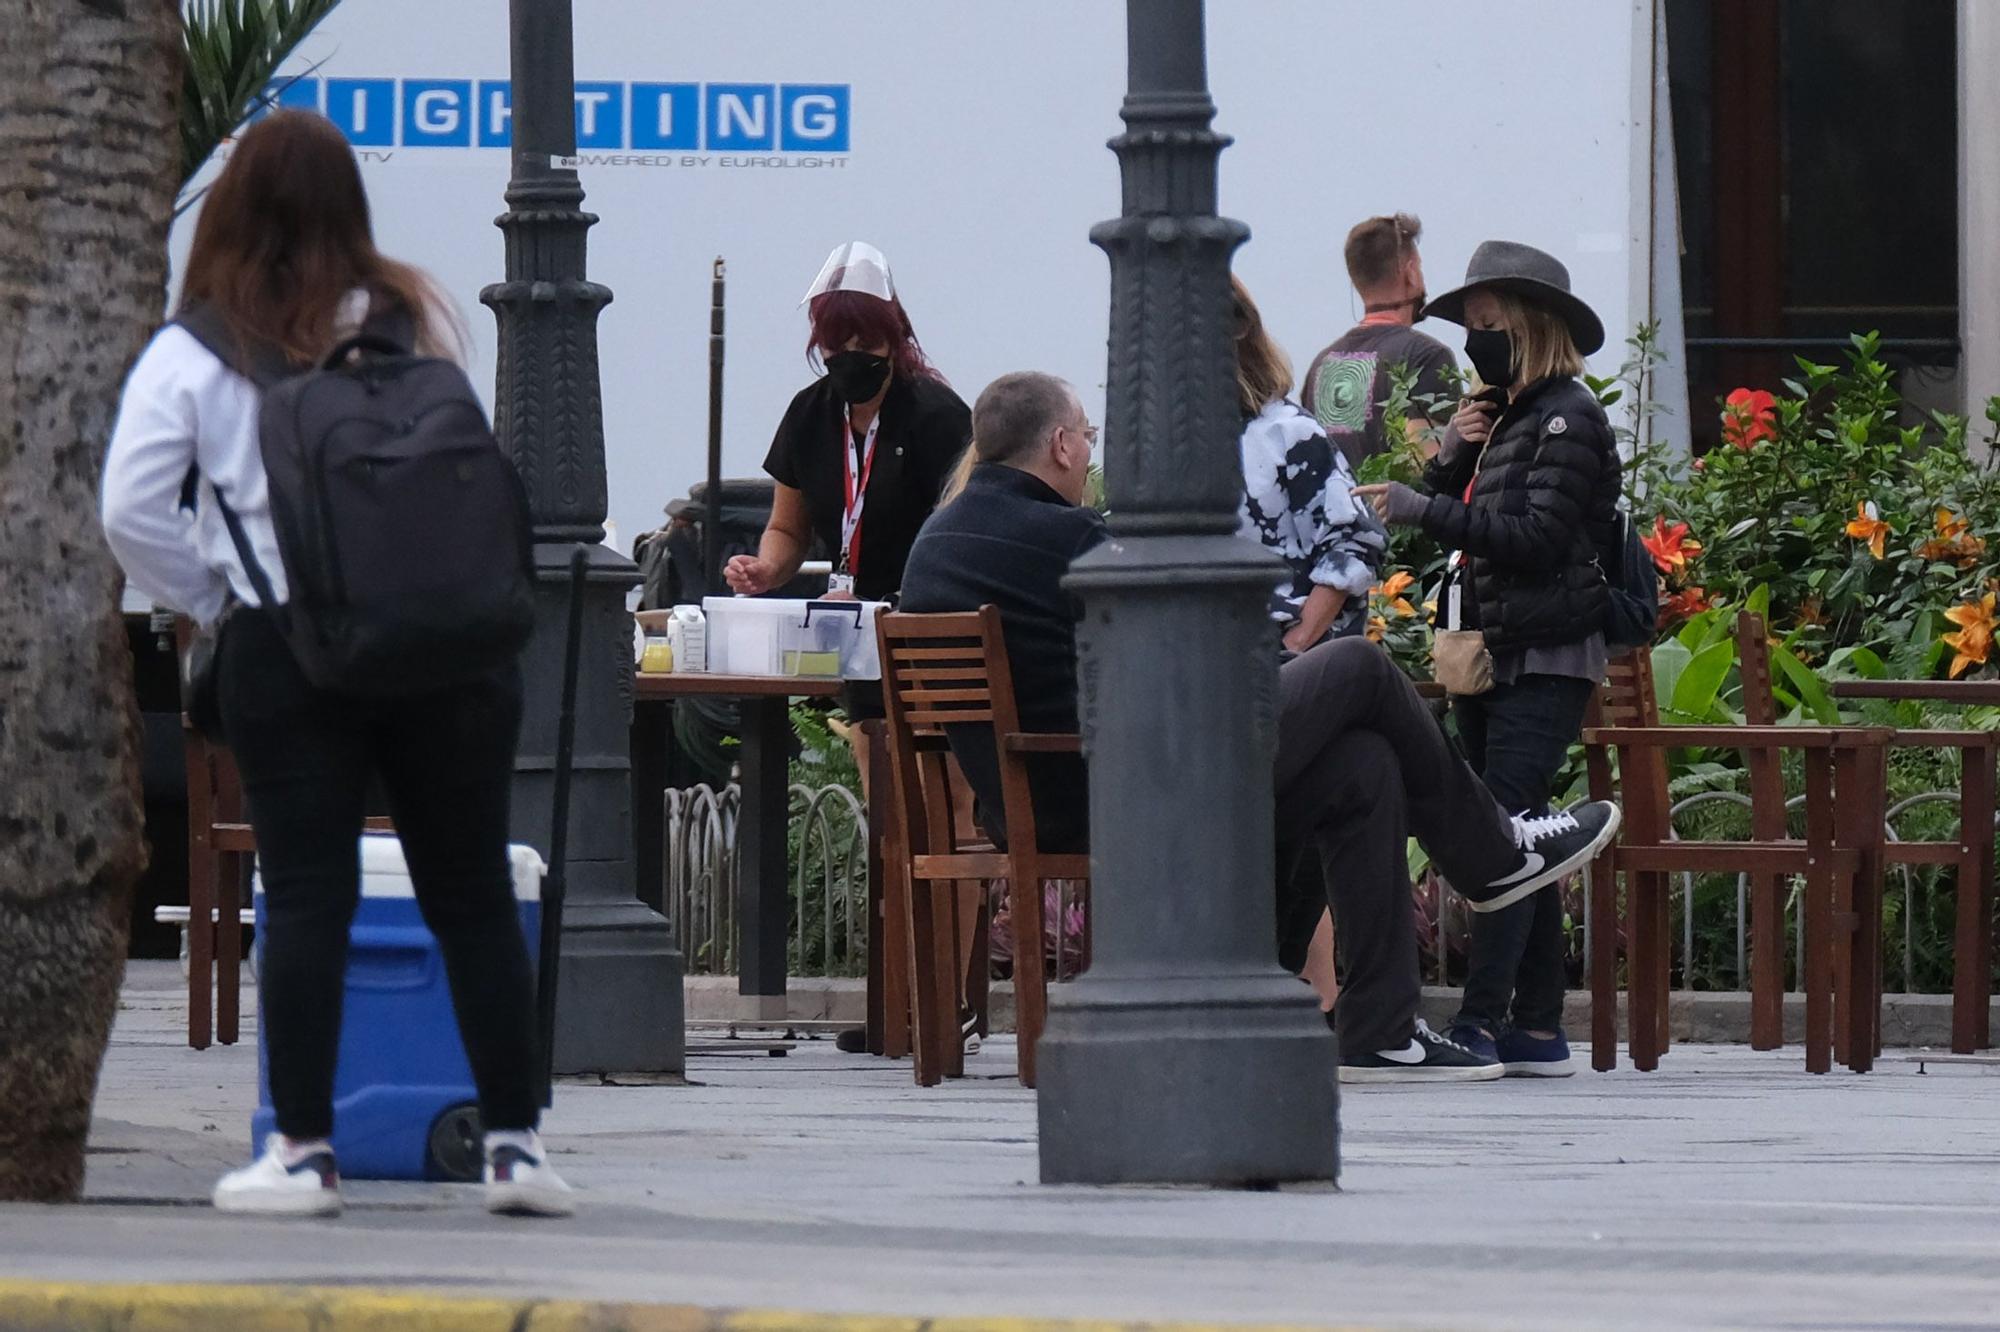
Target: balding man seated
1361	762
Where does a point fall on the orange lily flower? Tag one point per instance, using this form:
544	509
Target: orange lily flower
1974	640
1670	547
1749	416
1954	543
1811	612
1685	604
1867	527
1378	628
1391	590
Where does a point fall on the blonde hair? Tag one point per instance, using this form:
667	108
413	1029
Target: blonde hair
954	485
1263	371
1543	347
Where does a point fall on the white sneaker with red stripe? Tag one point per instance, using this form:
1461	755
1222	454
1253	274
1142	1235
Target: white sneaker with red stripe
519	1179
289	1179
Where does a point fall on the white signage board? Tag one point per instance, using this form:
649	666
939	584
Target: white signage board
967	140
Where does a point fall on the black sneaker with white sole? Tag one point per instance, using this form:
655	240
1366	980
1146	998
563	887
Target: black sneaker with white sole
1428	1057
1552	846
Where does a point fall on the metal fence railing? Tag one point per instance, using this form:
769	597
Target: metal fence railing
1912	895
828	843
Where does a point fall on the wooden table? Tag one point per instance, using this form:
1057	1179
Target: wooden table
1967	692
764	874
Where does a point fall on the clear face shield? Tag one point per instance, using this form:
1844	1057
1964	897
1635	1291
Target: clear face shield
855	266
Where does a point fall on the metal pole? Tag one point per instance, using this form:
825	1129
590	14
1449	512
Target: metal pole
618	994
711	535
1184	1055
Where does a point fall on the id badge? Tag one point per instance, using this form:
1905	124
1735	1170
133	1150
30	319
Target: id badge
837	583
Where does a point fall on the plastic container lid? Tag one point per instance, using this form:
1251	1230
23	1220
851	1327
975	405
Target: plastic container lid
384	873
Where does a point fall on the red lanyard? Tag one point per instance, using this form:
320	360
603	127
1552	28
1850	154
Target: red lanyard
856	460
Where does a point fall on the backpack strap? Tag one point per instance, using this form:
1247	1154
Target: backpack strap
263	365
259	580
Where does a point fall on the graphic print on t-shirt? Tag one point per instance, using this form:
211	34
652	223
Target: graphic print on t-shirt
1343	393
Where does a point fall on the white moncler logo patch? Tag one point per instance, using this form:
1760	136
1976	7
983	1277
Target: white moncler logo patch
1557	425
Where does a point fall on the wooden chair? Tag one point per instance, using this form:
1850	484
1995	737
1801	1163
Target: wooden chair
1840	857
889	1030
952	670
1970	854
221	850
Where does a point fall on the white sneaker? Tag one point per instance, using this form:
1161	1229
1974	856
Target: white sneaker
523	1183
269	1187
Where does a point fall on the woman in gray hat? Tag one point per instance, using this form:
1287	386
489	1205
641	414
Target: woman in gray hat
1525	490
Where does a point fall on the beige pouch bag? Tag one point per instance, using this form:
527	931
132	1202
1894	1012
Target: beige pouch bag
1459	659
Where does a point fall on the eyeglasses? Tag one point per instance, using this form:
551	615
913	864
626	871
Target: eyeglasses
1089	433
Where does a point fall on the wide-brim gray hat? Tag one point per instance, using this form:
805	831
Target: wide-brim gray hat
1526	271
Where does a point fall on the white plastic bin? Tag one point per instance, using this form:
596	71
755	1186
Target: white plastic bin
770	636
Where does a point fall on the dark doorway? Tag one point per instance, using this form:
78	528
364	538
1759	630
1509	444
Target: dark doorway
1818	163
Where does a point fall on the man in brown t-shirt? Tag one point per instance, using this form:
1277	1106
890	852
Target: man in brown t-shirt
1345	388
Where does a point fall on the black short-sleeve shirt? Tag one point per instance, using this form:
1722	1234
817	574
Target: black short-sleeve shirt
1348	382
925	427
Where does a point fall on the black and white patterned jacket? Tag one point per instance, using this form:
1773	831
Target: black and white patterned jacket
1298	502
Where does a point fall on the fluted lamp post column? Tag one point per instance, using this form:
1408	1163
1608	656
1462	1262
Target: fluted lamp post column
1184	1054
618	1002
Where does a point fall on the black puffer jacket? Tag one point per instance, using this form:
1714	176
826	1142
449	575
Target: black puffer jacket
1543	513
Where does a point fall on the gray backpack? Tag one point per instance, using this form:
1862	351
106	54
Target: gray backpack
403	528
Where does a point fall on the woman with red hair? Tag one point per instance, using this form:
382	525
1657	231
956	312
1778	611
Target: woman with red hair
864	450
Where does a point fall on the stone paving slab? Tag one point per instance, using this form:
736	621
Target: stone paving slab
1729	1190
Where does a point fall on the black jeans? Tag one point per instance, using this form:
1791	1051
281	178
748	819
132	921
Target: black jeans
446	764
1361	765
1517	736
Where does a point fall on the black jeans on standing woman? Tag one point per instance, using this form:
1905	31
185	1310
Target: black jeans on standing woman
1516	737
446	763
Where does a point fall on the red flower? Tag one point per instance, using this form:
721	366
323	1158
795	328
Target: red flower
1669	546
1749	417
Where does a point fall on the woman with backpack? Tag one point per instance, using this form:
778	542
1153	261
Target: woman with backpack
1525	489
282	270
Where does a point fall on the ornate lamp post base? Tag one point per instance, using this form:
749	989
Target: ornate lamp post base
1184	1055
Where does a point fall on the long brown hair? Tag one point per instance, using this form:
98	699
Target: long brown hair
1263	371
284	236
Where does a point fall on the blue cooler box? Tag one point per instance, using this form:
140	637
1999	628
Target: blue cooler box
404	1106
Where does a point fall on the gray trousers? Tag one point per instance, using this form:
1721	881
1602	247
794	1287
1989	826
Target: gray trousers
1362	766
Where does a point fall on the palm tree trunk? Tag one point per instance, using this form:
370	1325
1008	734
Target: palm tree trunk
89	161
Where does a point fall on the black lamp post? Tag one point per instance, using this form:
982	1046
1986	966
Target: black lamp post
1184	1055
618	1002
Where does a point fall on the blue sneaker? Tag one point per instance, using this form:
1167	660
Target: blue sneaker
1474	1039
1525	1056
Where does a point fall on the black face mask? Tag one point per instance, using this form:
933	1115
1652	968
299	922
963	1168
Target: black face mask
856	375
1491	352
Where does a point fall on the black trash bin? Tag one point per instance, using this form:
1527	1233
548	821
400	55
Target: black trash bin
671	559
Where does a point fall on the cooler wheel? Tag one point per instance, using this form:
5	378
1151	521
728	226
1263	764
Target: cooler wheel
458	1145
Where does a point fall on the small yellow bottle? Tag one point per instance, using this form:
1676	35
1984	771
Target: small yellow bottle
658	658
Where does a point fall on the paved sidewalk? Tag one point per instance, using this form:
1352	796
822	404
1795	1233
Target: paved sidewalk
1731	1189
